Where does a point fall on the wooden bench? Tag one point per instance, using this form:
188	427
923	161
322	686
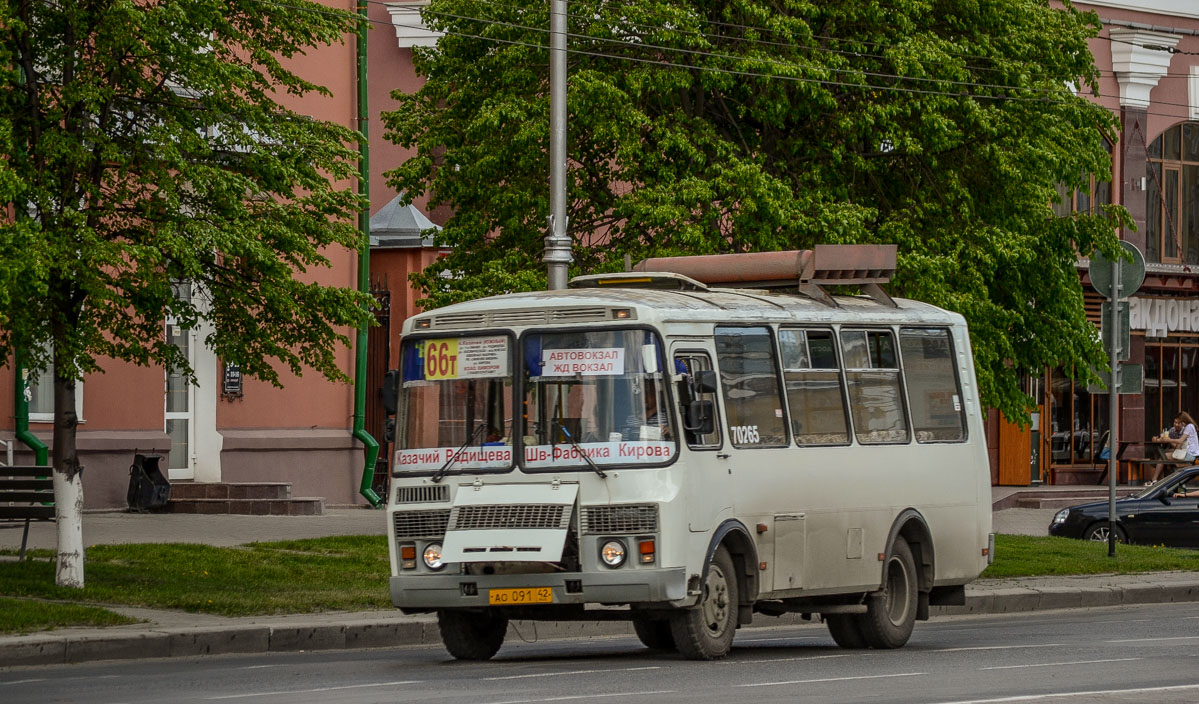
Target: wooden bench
26	493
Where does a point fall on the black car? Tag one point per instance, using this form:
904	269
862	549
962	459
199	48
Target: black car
1153	517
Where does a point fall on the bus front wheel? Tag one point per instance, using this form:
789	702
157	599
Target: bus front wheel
891	612
705	631
471	635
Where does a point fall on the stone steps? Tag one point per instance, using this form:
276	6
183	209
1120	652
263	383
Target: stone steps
1063	500
241	498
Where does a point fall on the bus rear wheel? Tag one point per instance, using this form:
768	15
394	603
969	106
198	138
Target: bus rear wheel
891	612
654	634
705	631
471	635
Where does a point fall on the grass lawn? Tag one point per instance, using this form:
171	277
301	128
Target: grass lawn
18	616
300	576
1041	556
351	574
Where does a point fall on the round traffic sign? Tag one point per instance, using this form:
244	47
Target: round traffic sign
1132	274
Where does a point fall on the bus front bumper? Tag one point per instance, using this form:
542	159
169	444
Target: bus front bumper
436	591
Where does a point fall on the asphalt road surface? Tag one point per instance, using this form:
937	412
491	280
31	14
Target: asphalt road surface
1120	654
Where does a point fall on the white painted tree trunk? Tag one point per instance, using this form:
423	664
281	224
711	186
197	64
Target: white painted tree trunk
68	512
68	482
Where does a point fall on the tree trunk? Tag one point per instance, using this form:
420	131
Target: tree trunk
68	485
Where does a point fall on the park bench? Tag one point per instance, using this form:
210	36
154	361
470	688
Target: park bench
26	493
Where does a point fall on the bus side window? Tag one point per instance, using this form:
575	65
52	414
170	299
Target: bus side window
749	378
815	392
938	414
875	397
691	364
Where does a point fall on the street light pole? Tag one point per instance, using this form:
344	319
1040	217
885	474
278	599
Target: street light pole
557	242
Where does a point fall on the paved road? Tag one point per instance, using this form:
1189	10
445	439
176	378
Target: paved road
1125	654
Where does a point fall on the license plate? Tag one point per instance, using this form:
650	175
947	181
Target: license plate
513	597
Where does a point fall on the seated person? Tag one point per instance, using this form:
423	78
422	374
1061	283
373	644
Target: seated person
1182	436
655	417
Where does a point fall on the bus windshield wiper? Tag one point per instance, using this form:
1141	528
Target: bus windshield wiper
454	458
570	438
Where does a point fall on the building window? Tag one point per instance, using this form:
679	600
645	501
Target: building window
1172	208
1089	201
41	397
1078	421
1171	378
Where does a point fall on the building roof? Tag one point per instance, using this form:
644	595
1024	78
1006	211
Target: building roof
398	226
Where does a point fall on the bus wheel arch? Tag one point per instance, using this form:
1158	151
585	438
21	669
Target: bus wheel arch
911	527
735	538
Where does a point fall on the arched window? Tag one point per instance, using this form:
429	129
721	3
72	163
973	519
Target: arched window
1172	212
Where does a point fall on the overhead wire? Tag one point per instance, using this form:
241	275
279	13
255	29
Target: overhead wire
713	69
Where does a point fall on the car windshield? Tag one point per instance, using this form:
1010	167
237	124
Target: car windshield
455	409
601	394
1178	482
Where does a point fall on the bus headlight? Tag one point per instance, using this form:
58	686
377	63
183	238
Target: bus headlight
432	556
613	553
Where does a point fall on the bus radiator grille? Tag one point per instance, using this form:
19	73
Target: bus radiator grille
490	517
629	518
421	524
422	494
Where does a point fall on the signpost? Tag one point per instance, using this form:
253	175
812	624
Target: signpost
1116	281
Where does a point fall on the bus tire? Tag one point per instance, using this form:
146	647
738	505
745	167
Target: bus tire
846	631
891	612
654	634
705	631
471	635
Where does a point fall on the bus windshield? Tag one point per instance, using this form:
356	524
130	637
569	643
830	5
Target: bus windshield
455	404
598	395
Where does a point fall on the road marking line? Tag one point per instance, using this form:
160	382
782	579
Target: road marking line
259	667
1058	695
316	689
765	640
1054	664
582	696
999	647
25	681
832	679
1150	640
797	657
570	672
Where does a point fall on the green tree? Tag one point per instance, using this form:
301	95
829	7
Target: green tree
738	125
151	147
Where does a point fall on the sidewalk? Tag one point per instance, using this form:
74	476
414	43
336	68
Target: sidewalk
180	634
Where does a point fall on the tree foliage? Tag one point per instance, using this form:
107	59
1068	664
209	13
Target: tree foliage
738	125
150	147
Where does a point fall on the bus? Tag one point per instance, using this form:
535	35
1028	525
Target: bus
686	446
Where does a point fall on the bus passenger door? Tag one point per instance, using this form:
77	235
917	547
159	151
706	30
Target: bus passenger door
707	476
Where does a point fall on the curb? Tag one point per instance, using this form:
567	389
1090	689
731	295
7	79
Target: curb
392	629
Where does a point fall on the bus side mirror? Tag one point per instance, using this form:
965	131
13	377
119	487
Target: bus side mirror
390	391
705	381
699	417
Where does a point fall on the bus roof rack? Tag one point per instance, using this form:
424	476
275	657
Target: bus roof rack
808	270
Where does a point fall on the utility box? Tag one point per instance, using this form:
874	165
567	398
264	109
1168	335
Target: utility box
149	490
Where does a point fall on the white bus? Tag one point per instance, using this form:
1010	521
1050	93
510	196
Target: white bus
650	446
